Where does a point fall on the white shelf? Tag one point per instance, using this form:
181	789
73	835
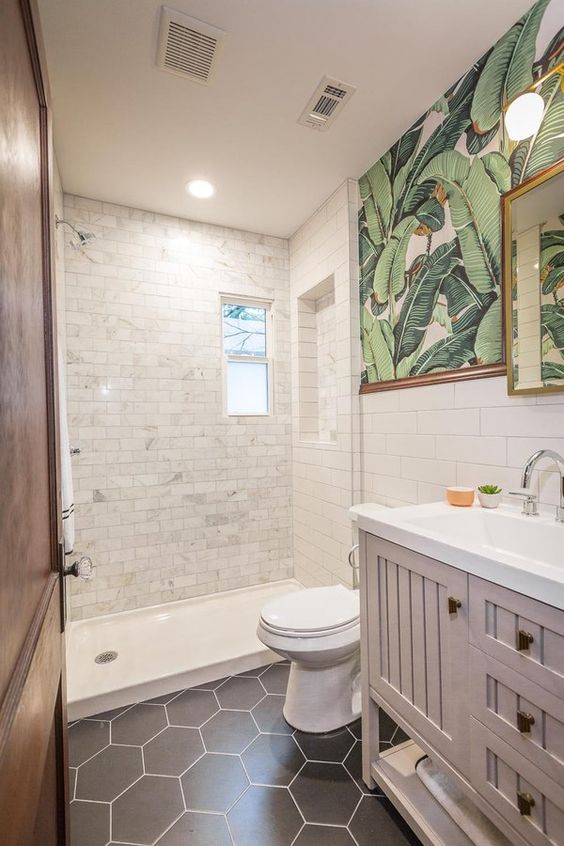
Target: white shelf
394	771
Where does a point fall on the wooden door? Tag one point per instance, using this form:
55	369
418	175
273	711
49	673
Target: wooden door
417	649
32	711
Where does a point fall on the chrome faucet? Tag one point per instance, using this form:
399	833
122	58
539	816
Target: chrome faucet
526	481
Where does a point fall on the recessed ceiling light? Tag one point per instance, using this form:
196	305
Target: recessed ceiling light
200	188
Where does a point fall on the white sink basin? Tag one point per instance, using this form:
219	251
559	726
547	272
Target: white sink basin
523	553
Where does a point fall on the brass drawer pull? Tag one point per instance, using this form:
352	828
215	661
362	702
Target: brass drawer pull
453	605
524	721
524	640
525	802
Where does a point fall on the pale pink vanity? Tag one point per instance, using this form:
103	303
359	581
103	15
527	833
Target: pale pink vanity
468	658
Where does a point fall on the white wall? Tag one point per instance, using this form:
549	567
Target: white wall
324	478
173	498
416	441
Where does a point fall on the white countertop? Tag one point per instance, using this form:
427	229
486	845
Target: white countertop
525	554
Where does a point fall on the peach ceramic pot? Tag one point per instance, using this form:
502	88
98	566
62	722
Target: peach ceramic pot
462	497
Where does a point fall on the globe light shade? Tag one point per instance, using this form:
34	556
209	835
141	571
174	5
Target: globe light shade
524	116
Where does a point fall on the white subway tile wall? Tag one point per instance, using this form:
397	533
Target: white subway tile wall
464	433
173	498
326	478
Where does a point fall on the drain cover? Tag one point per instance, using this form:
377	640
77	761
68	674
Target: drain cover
106	657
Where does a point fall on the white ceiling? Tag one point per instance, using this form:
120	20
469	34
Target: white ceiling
127	132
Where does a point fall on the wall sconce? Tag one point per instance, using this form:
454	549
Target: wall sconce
524	114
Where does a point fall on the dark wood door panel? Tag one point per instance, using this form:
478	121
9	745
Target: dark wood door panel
25	519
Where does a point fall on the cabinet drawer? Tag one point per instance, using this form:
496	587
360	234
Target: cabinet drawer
520	632
521	712
528	799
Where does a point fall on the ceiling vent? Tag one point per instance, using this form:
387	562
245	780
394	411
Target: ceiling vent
325	103
187	47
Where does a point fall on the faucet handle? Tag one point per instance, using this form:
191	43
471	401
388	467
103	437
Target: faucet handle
530	505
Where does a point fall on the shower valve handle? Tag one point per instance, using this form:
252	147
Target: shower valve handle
81	569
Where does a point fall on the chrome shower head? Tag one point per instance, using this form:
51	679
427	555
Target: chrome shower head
83	238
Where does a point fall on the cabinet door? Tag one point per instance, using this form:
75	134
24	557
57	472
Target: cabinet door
418	646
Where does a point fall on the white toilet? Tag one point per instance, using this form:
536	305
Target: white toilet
318	629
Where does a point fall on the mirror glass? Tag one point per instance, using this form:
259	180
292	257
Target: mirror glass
534	284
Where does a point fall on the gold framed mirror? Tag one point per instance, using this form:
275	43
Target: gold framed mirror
533	278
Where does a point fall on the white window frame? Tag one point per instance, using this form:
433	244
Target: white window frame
253	302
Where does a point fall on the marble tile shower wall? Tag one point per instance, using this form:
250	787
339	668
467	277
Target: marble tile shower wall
418	440
173	498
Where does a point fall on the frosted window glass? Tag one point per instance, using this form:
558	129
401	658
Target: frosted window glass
244	330
247	387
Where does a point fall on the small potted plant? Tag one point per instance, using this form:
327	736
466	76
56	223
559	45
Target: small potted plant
489	496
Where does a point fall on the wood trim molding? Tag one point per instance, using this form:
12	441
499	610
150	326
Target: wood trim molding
11	701
464	374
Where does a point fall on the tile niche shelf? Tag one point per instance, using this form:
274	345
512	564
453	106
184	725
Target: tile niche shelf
317	383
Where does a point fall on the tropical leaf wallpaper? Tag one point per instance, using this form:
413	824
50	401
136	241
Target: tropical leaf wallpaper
551	268
430	225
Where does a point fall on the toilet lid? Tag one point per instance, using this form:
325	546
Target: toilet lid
312	610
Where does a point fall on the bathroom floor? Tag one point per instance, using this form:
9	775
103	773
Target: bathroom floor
218	765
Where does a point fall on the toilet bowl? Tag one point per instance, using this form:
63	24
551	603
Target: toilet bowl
318	630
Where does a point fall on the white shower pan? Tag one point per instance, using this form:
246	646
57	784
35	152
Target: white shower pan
166	647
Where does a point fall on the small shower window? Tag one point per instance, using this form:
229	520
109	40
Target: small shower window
246	353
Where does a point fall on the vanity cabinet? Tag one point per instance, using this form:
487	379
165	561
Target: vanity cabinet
418	620
474	673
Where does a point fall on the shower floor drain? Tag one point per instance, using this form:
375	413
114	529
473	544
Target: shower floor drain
106	657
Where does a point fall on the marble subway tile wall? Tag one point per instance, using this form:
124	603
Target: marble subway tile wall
416	441
174	499
326	480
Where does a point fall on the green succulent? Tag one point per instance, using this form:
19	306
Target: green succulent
489	489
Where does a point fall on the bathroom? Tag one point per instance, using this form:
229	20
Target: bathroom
246	399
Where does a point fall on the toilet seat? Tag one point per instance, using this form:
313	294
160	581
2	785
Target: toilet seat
314	612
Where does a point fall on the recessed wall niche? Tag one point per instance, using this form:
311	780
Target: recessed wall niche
317	337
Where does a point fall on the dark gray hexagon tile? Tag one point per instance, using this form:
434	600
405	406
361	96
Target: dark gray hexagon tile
163	699
198	829
85	739
172	751
324	835
229	731
377	821
241	693
387	726
265	815
333	746
353	763
269	715
256	672
275	679
145	811
89	823
399	736
214	783
109	773
110	715
192	708
325	793
138	725
272	759
356	729
212	685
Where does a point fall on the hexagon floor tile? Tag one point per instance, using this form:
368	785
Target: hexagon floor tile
172	751
229	731
146	810
325	793
265	815
192	708
214	783
109	773
221	767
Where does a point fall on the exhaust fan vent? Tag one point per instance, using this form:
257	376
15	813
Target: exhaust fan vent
187	47
325	103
